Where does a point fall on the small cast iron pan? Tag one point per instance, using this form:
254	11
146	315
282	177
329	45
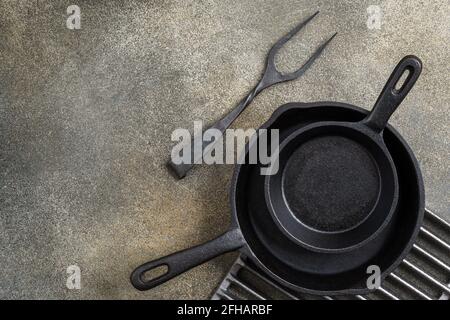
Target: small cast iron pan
335	186
254	232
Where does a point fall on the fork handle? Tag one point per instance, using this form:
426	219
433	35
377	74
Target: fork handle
183	168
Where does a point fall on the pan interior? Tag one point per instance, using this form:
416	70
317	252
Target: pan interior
331	183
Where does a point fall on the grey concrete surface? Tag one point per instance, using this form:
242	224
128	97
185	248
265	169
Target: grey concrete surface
86	117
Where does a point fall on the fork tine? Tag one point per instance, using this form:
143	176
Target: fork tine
302	69
288	36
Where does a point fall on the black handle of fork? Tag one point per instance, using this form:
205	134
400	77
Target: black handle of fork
181	169
270	77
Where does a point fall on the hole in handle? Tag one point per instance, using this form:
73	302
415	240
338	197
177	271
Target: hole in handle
402	80
155	273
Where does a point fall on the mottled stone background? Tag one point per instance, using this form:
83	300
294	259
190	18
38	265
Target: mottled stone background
86	117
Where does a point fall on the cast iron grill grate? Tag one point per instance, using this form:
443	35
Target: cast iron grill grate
423	274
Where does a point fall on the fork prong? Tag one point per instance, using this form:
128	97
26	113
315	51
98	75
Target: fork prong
288	36
310	61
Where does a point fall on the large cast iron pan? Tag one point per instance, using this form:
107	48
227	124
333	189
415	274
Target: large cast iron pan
336	185
253	230
325	273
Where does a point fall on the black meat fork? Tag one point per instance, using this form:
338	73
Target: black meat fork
270	77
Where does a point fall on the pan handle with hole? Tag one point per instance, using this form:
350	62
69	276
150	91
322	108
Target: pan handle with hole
391	96
182	261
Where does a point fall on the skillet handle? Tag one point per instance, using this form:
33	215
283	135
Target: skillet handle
391	97
184	260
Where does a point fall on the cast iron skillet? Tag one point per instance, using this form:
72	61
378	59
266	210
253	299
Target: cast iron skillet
252	228
335	186
325	273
